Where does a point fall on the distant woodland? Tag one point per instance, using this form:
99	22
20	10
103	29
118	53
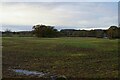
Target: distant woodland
49	31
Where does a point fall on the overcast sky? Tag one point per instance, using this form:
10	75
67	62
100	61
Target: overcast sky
78	15
59	0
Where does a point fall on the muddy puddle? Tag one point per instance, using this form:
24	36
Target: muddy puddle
28	73
37	74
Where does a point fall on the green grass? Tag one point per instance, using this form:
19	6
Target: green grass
72	57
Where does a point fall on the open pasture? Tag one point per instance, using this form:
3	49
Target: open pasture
69	56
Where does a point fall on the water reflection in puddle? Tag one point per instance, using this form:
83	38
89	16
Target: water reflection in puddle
37	74
28	73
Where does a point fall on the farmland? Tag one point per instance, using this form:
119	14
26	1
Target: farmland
69	56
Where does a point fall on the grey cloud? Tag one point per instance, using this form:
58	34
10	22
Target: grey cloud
72	15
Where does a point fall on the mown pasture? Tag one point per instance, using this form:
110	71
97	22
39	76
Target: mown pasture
69	56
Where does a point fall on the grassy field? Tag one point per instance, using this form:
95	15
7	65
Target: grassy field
71	57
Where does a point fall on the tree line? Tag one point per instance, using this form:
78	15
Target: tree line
49	31
112	32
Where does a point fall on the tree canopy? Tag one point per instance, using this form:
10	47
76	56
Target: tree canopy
45	31
113	32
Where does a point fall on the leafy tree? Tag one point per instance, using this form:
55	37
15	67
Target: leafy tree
45	31
8	32
112	32
119	32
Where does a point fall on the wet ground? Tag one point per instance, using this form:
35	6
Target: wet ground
36	74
